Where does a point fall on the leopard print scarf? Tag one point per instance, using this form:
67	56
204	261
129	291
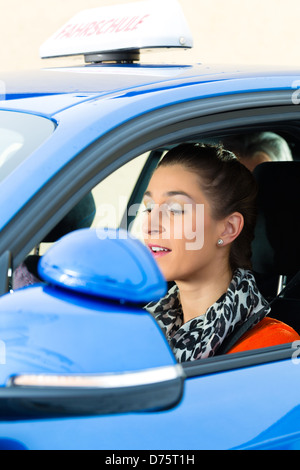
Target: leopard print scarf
202	336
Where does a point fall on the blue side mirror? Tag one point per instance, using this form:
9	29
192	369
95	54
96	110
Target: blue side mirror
104	263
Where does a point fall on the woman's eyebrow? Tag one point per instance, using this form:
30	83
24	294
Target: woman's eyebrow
171	193
177	193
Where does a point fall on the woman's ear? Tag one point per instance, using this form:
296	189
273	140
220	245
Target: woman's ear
233	225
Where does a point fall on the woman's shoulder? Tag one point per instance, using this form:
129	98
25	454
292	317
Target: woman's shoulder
268	332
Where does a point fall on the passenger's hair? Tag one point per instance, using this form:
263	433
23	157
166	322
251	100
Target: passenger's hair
229	187
246	145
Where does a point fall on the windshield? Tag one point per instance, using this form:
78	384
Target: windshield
20	135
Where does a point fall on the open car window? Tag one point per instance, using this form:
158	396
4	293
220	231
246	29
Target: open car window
118	203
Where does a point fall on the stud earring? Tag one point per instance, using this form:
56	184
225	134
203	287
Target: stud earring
220	242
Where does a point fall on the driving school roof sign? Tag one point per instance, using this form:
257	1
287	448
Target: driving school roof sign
141	25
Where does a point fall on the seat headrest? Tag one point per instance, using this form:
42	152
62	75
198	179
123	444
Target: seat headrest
81	216
276	247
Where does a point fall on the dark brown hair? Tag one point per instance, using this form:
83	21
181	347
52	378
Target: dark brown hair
229	187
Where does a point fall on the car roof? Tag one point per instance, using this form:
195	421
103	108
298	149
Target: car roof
28	90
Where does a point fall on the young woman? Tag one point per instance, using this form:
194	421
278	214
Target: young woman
199	224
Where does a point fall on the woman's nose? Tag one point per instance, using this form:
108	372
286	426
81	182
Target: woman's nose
153	221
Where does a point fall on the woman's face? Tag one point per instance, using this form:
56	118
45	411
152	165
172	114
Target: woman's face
178	227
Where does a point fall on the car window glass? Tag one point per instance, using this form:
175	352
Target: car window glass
20	135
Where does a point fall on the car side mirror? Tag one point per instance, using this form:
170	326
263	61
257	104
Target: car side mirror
104	263
73	349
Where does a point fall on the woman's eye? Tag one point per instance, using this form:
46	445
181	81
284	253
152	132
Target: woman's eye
148	207
176	209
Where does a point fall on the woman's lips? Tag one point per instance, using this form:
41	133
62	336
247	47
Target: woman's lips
158	251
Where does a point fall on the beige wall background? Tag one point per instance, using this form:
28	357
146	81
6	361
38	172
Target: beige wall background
225	31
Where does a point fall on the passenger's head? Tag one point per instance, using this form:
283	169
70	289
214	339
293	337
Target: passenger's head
259	147
200	207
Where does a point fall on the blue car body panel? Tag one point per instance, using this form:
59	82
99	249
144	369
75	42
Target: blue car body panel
242	416
48	330
70	331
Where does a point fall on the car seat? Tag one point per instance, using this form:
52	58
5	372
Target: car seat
81	216
276	249
276	255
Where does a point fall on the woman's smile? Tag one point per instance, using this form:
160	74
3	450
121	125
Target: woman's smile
158	251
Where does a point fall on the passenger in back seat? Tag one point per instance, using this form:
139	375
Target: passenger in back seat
259	147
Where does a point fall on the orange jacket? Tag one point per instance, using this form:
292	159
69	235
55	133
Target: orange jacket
268	332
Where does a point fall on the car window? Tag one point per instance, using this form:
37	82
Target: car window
112	194
20	135
111	197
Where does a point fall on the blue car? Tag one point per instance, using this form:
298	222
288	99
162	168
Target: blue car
82	364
